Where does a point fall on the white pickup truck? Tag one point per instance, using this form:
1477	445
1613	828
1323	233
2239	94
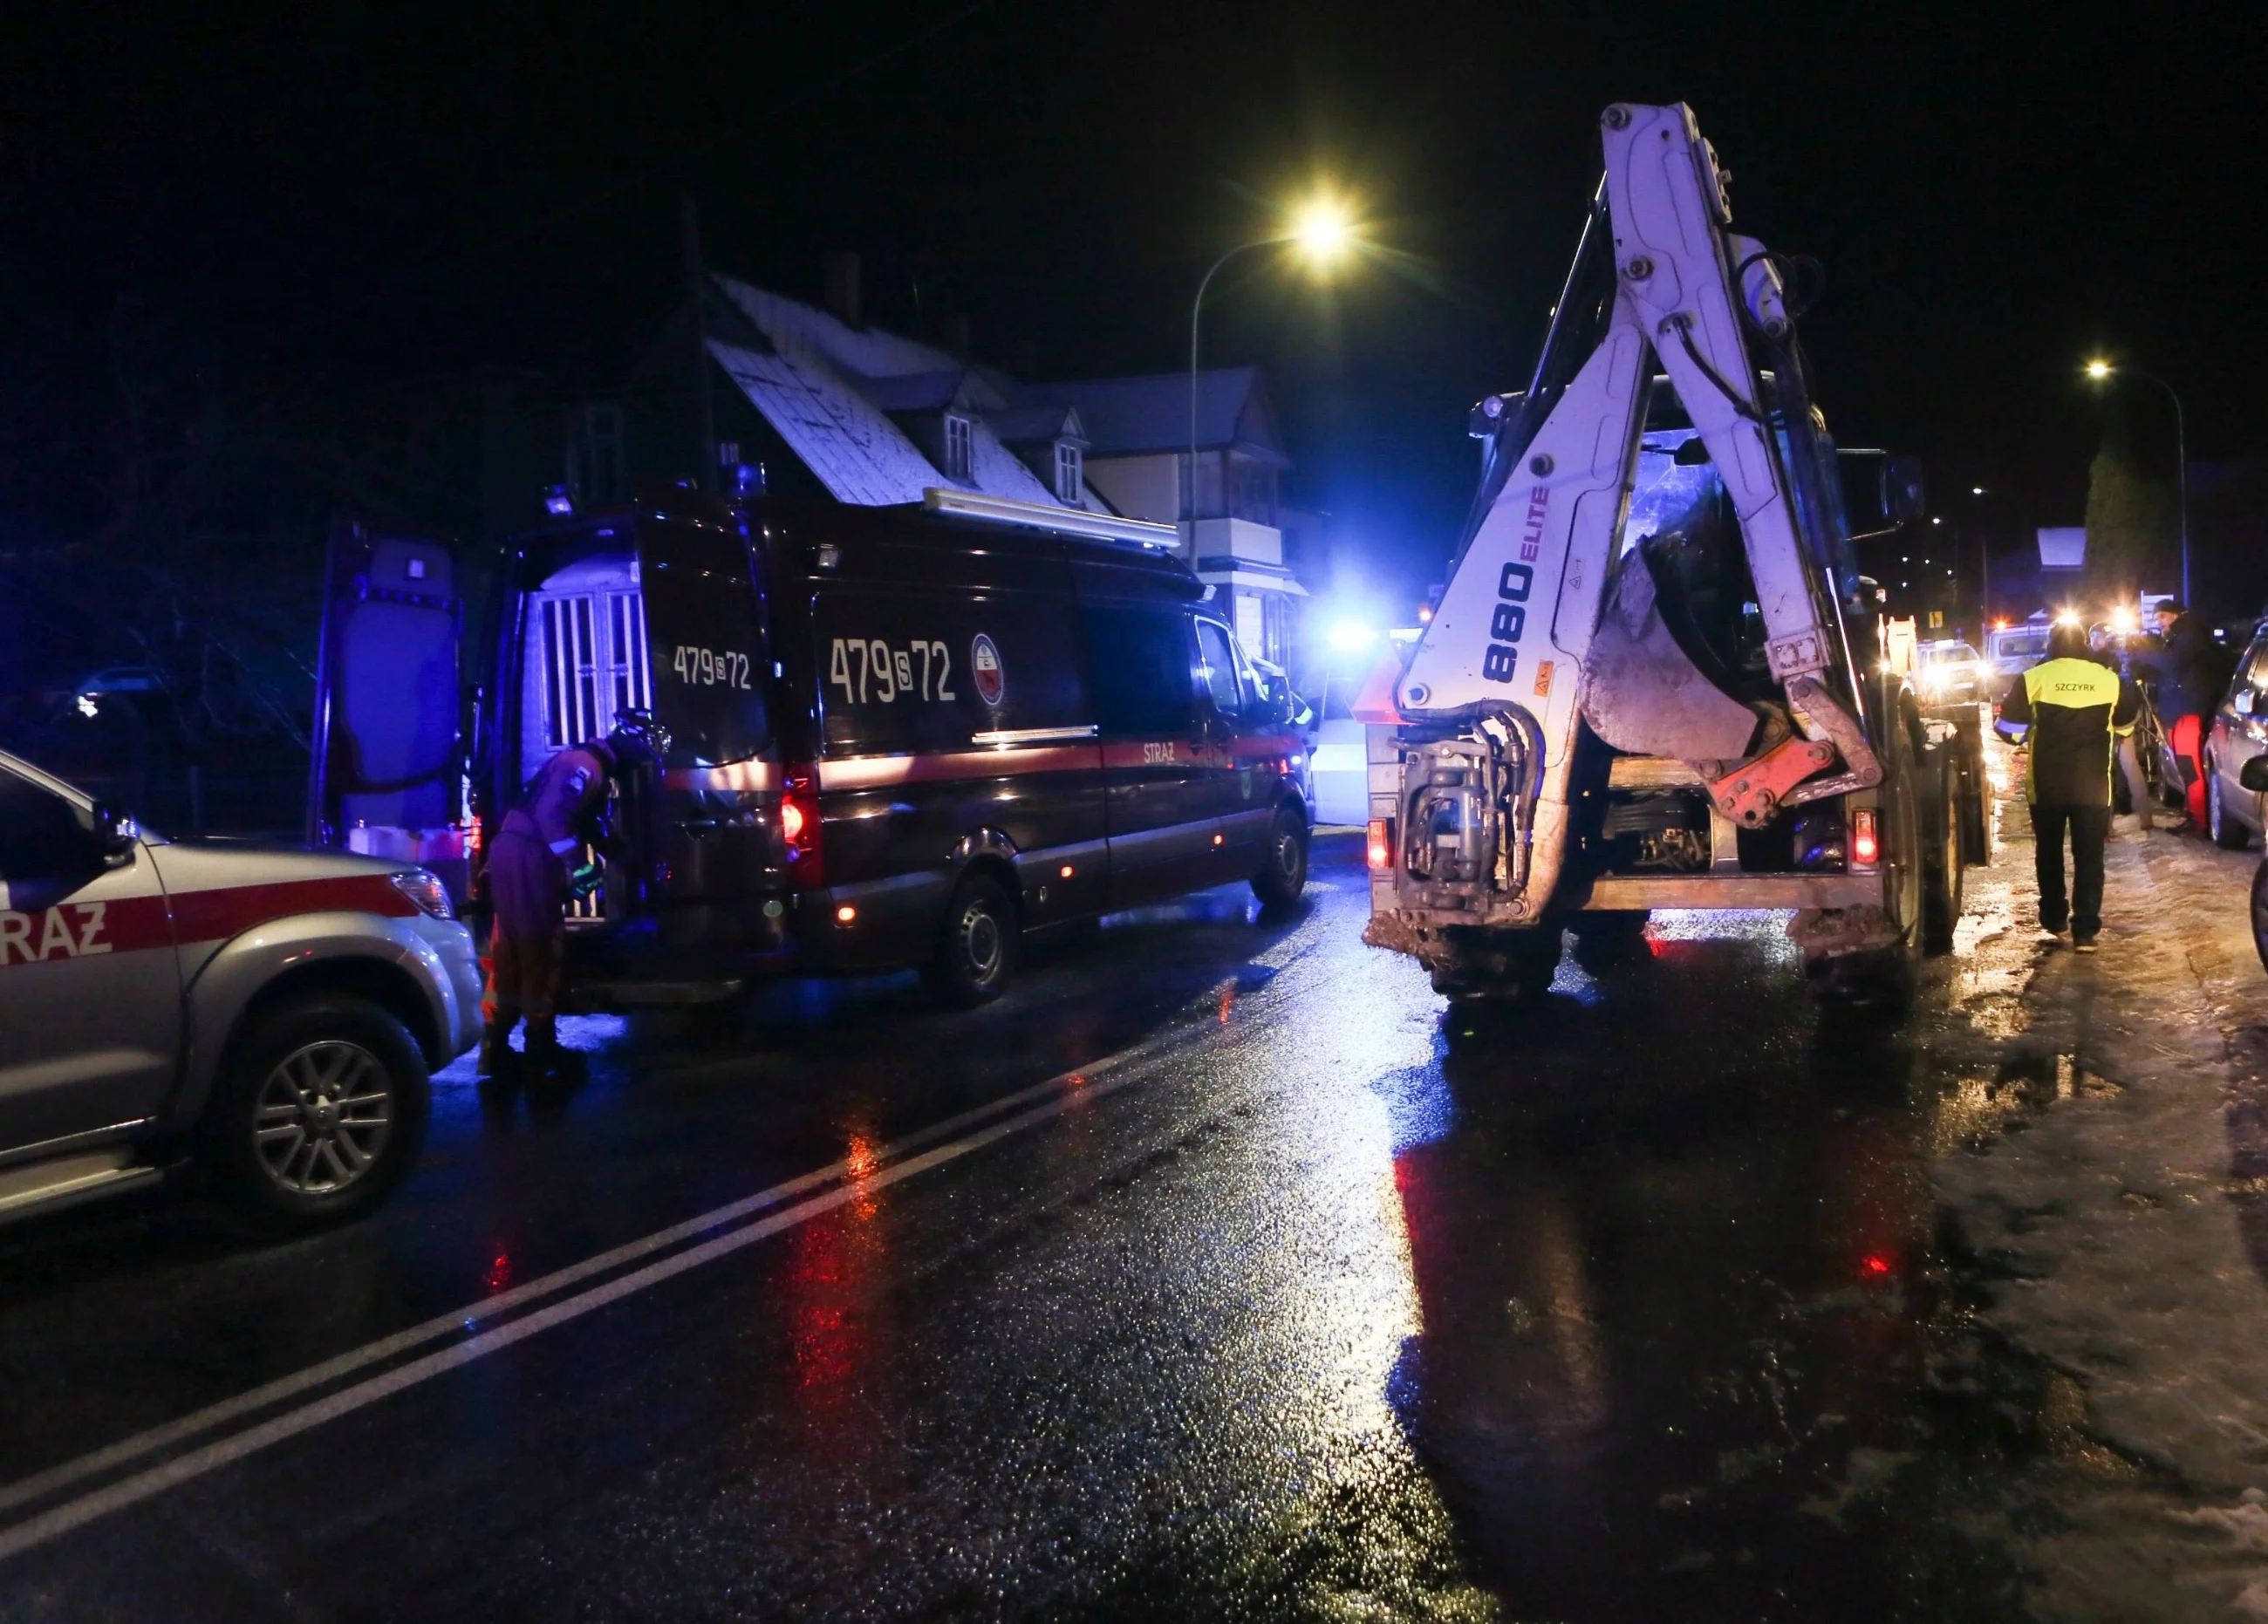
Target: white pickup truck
271	1016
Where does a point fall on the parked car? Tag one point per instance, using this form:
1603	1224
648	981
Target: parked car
2237	733
2252	779
1950	671
2011	650
902	737
271	1016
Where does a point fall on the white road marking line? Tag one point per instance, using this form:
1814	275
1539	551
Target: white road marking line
44	1483
223	1451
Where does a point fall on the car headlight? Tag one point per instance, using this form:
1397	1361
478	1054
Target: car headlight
426	891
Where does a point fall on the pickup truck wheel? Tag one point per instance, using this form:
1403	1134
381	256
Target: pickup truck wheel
977	955
320	1110
1279	882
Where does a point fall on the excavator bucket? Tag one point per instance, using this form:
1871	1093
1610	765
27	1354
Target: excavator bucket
1641	691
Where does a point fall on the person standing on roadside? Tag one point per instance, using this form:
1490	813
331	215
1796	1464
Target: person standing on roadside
2195	675
2070	710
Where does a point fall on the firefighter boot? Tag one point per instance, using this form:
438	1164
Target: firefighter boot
496	1058
548	1063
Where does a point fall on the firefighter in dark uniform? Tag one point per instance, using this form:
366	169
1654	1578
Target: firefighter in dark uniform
562	810
2070	710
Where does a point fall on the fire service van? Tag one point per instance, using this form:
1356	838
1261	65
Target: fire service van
900	737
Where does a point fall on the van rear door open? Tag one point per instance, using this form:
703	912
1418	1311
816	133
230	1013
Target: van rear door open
386	767
708	658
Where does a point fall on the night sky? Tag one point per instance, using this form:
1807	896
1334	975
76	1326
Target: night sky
361	192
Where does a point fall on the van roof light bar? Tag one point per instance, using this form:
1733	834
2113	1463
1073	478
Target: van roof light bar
1065	521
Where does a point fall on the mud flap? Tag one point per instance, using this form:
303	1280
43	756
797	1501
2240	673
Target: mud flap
1830	932
1642	694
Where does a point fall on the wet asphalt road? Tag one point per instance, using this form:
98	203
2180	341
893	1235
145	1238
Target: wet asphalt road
1211	1273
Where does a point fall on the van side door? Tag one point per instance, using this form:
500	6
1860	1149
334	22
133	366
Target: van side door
1158	802
90	981
1238	770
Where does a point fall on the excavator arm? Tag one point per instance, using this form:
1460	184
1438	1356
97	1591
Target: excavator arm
1544	623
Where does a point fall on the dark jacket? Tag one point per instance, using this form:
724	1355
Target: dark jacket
2196	671
2070	709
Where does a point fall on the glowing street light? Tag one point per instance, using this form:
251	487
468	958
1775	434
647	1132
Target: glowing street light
2100	371
1322	231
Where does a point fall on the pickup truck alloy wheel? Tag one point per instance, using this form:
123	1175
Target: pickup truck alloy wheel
319	1110
323	1117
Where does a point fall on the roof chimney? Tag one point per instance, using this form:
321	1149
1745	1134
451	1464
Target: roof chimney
838	277
956	336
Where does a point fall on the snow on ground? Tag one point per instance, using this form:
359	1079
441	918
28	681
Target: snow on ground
2105	1161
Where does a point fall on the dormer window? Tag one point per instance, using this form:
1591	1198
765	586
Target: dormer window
1069	471
958	460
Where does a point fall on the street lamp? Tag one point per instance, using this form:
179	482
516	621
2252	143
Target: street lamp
1322	232
2100	369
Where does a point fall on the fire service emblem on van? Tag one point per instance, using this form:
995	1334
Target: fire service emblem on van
984	660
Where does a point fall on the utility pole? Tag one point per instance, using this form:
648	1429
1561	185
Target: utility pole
689	220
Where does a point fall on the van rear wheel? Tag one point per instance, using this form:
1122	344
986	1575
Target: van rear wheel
1284	876
978	956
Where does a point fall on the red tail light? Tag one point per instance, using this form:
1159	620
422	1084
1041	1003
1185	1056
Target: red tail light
799	828
1381	849
1866	847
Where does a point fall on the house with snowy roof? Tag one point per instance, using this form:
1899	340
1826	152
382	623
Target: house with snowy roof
876	418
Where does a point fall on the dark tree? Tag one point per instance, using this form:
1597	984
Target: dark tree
2131	522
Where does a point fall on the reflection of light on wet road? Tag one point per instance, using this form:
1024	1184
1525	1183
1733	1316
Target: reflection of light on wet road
1763	928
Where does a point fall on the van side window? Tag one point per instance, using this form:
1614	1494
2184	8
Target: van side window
901	672
1216	661
1141	661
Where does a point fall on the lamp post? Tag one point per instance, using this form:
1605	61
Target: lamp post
2099	371
1323	231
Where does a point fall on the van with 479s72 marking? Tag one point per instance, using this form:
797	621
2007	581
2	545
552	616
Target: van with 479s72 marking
900	737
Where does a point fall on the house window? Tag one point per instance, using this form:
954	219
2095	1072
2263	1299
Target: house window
957	459
1068	471
597	472
1254	494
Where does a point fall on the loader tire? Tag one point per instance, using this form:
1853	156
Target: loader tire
1605	942
1940	827
1498	967
1884	980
